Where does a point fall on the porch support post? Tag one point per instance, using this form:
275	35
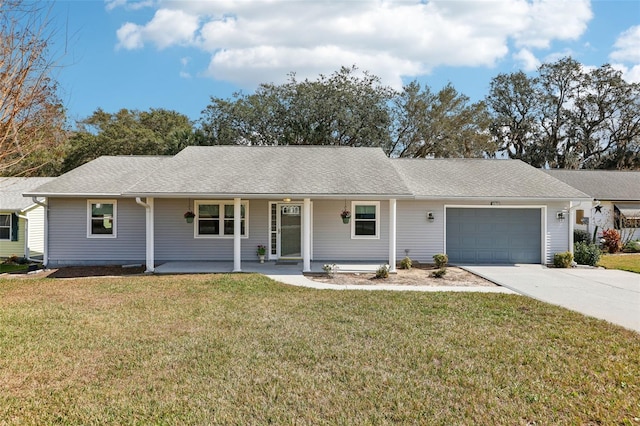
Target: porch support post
306	236
149	233
392	235
237	219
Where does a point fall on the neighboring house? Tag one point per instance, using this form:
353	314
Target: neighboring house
130	209
21	219
617	195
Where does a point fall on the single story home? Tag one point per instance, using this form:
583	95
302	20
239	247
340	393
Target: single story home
21	219
617	195
289	199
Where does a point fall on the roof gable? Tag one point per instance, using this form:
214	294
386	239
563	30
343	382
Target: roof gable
611	185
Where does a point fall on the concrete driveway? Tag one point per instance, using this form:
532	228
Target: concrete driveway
611	295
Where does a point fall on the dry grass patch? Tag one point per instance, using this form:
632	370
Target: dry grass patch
241	349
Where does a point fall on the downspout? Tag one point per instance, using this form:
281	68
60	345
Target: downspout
45	237
149	230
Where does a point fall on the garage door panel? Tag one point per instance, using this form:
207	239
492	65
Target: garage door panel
494	235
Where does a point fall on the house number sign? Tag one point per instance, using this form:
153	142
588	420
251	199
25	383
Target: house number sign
291	210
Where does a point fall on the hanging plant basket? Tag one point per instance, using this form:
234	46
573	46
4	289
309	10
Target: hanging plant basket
345	219
189	215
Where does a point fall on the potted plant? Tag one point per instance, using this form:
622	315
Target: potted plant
345	215
189	215
261	251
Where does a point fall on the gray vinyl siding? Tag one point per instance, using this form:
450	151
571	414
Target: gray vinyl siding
332	238
68	242
415	233
557	236
175	238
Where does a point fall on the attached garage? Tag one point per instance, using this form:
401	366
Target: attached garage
493	235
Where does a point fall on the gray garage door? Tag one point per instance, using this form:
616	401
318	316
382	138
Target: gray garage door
476	236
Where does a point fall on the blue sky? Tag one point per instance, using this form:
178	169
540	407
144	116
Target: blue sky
146	54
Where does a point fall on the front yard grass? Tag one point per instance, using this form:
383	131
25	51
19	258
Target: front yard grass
625	262
242	349
8	267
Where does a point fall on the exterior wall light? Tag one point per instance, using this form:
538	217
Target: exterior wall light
430	217
561	215
286	200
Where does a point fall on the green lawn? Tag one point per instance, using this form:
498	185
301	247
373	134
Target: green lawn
241	349
12	268
626	262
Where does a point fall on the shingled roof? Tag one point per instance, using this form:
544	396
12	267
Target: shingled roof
272	171
609	185
105	176
309	171
11	189
481	178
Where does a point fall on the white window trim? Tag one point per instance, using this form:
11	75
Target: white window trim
115	218
221	203
10	226
353	220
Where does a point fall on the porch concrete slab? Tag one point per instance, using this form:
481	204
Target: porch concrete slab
611	295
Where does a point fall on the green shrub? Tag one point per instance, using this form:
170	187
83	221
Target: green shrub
383	271
632	247
612	242
563	260
586	253
439	273
406	263
580	236
440	260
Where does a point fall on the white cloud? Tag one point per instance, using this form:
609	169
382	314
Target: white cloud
627	46
128	5
630	74
527	59
254	41
129	36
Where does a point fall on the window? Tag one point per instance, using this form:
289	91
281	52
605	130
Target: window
365	219
216	219
5	226
101	222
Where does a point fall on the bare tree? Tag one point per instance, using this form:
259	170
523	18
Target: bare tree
31	115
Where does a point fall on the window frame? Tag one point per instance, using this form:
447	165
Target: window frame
10	226
114	220
221	219
354	204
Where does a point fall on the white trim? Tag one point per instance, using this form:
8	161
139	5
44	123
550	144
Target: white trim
392	235
237	245
277	256
10	226
353	220
306	235
543	222
114	220
221	204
